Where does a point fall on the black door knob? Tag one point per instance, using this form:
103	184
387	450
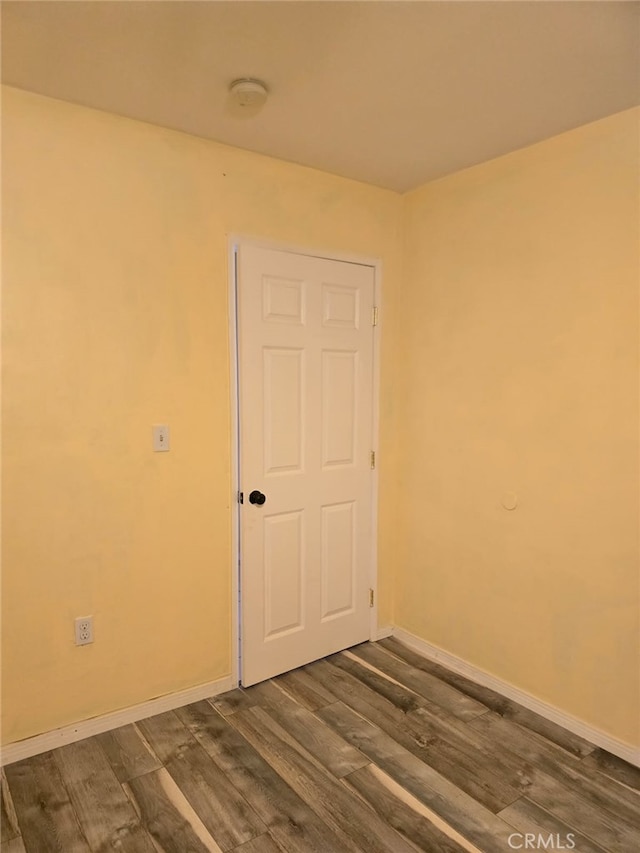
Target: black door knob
256	497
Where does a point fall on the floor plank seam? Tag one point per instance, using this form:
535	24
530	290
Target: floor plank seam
372	750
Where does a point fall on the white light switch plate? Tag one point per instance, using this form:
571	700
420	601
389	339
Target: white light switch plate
160	437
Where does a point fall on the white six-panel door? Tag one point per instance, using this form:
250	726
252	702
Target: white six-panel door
305	397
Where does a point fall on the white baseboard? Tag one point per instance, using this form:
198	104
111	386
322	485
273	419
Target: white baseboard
573	724
87	728
96	725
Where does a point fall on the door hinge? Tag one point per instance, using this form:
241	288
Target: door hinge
371	597
373	459
374	316
240	497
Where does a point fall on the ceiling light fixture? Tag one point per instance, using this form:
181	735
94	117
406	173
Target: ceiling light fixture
248	92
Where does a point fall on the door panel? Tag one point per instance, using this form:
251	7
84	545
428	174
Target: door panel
338	560
283	573
340	307
339	399
283	409
306	396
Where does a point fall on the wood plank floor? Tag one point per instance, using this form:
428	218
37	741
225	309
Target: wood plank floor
374	749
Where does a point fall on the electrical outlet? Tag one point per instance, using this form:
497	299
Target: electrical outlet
84	630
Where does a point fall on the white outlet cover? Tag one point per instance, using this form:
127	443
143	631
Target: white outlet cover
83	630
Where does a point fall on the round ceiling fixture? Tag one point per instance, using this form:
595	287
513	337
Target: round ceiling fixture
248	92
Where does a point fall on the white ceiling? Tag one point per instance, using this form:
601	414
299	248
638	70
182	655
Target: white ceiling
392	93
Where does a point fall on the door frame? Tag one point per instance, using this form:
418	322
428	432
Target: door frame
234	242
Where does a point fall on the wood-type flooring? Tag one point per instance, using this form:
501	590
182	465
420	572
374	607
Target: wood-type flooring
373	750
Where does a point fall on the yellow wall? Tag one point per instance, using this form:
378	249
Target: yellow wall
509	363
520	374
115	317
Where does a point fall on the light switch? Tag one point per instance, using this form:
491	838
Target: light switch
160	437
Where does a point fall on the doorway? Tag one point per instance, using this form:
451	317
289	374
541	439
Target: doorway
306	401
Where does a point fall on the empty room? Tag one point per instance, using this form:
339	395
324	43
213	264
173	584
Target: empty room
320	426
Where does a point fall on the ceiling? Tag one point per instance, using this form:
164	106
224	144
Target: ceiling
391	93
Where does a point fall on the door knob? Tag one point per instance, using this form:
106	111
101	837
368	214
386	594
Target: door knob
256	497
